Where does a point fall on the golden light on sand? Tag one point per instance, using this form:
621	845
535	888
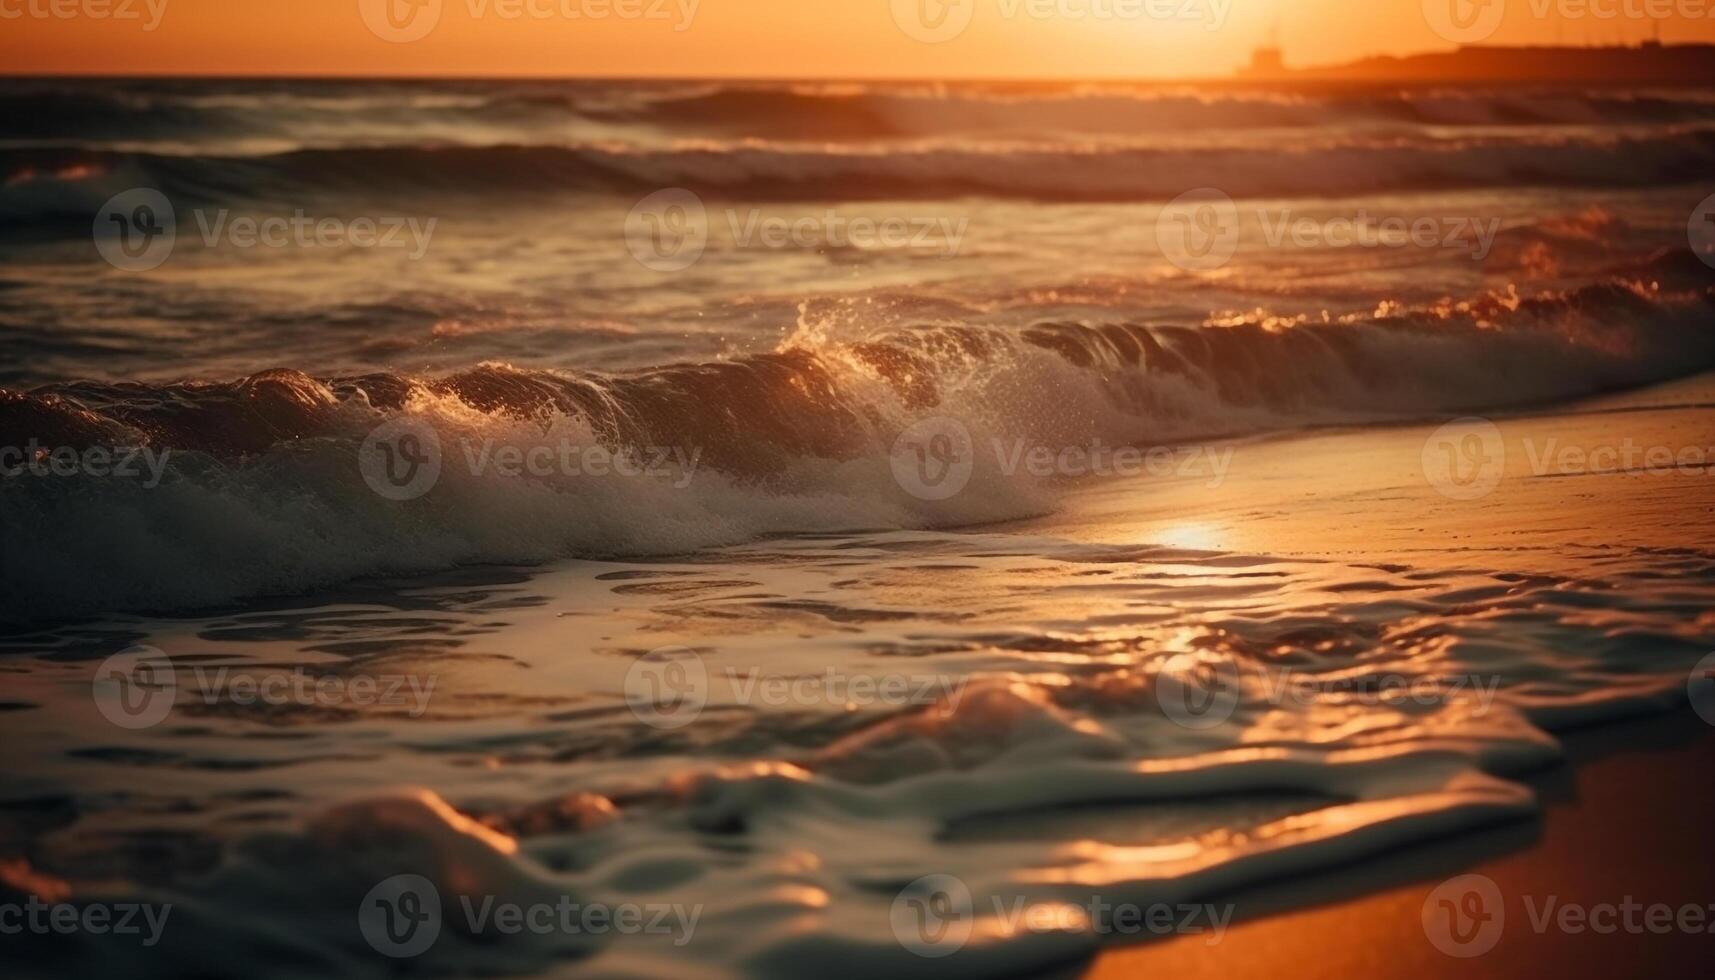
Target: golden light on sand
1191	535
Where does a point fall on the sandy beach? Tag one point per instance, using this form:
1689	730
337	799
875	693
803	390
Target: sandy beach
1626	818
1367	495
501	490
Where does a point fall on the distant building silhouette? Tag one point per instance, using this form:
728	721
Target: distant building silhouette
1266	62
1649	63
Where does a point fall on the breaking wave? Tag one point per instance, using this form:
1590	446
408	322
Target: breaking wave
261	489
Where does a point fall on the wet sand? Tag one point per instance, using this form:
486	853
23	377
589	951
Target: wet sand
1388	495
1629	815
1630	812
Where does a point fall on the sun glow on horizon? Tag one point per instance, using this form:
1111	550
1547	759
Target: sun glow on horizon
741	38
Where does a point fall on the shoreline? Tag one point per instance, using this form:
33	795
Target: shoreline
1626	815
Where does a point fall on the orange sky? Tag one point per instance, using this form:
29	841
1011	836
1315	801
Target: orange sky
755	38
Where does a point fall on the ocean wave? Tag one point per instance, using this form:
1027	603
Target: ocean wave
32	178
842	113
46	109
261	490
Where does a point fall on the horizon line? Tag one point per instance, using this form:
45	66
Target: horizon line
1234	74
